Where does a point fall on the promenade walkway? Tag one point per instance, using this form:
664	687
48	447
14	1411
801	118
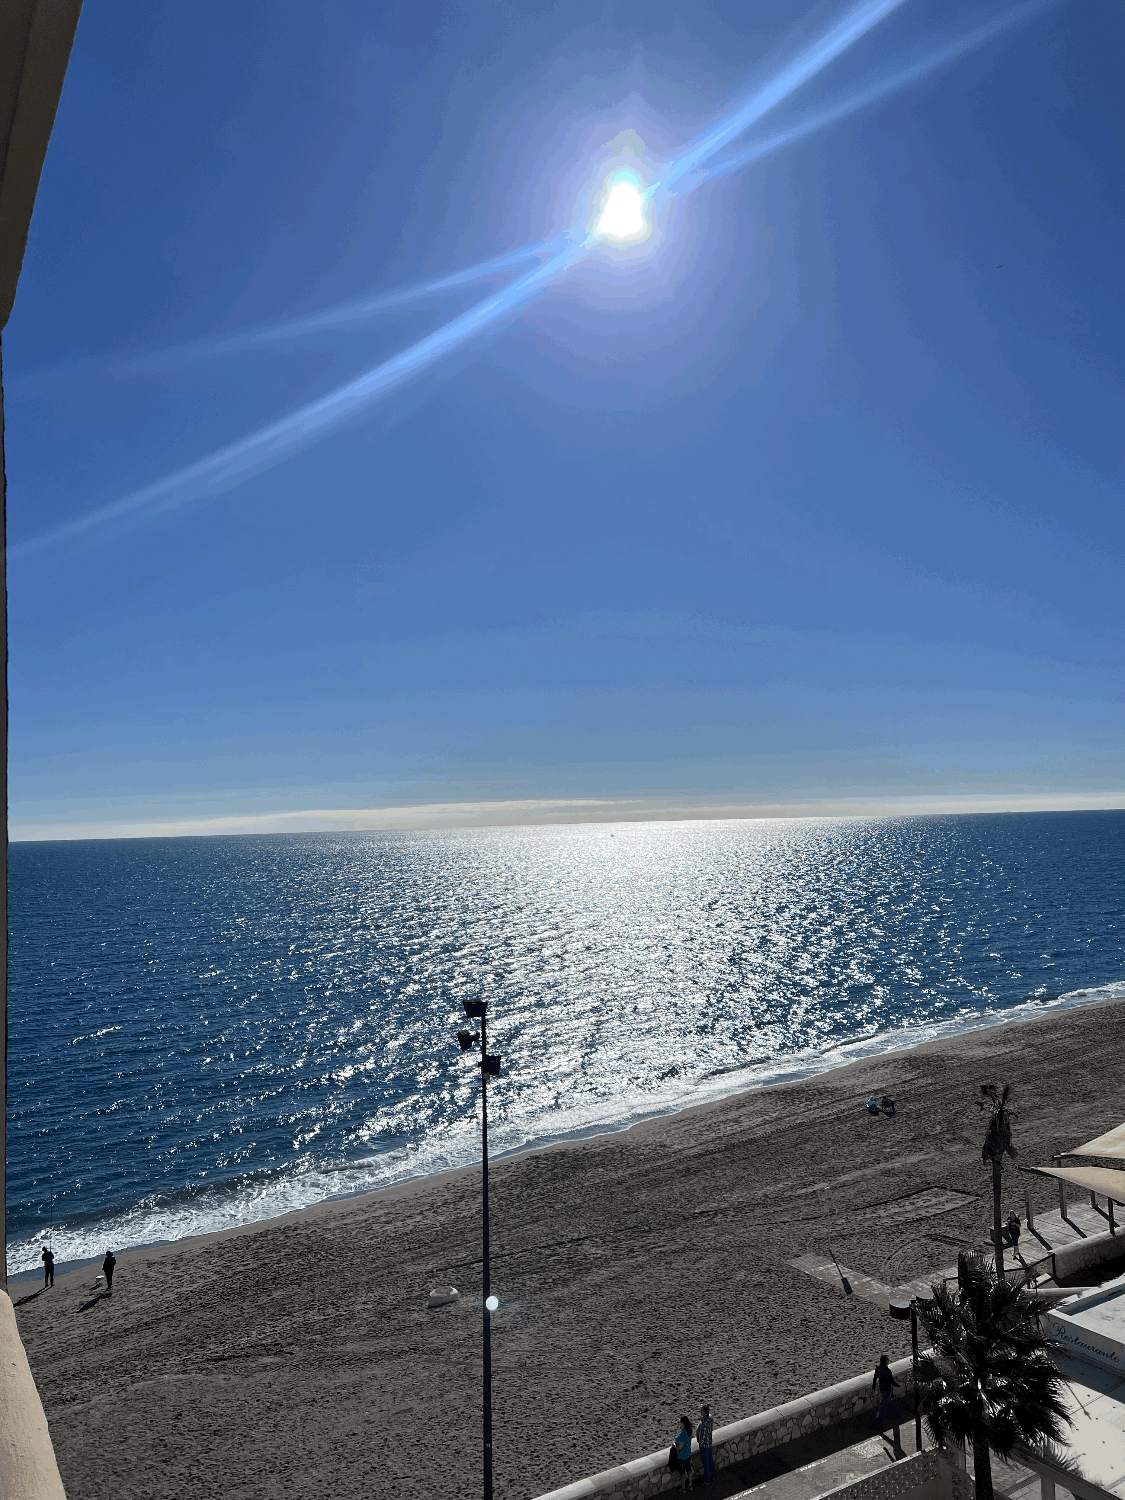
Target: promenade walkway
822	1461
1052	1232
813	1464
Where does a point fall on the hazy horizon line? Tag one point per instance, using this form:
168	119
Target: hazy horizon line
524	812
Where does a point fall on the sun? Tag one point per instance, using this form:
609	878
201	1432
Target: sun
624	218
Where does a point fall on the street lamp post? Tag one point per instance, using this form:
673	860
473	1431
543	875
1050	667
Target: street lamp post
476	1010
909	1310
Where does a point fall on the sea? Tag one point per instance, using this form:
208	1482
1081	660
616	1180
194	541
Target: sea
205	1032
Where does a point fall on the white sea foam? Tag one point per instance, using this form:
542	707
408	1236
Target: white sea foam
213	1210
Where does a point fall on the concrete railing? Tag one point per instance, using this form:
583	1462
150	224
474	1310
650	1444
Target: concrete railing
641	1478
1088	1252
28	1470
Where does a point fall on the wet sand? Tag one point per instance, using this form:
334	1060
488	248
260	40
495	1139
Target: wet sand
640	1274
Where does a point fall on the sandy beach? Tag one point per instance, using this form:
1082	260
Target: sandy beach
640	1274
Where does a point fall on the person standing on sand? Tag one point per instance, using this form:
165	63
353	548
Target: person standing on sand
884	1378
48	1267
703	1436
683	1452
107	1268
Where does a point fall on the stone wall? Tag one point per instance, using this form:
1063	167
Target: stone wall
641	1478
933	1475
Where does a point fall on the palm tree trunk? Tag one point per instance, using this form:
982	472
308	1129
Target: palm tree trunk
982	1466
997	1232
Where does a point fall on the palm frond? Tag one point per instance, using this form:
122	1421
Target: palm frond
989	1374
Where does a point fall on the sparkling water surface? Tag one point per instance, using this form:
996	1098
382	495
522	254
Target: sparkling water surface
204	1032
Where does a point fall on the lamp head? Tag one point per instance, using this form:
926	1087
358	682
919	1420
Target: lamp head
466	1039
475	1009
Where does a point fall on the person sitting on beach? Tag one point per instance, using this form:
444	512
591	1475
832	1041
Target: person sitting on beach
703	1434
107	1267
48	1267
683	1451
872	1105
884	1378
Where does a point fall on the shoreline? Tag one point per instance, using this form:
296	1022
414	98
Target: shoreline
639	1273
816	1066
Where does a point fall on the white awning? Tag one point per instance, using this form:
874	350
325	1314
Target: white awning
1110	1145
1105	1180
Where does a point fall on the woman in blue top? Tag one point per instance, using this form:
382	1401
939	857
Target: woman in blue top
683	1451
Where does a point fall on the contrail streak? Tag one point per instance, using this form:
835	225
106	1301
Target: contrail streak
871	95
272	443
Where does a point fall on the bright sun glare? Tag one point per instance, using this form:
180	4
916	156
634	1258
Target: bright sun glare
623	218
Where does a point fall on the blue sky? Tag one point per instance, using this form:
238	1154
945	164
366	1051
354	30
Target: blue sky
811	501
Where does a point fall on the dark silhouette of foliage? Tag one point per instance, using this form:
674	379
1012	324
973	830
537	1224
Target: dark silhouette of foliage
997	1145
989	1379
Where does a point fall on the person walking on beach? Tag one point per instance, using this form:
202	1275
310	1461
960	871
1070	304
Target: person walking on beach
683	1451
884	1378
1014	1231
48	1267
107	1268
703	1437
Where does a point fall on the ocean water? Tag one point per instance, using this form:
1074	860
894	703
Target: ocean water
205	1032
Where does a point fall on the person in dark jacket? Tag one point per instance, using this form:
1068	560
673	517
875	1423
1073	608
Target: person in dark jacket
107	1269
884	1378
1014	1231
703	1435
48	1267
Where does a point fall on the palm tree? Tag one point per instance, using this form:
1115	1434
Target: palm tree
997	1145
988	1379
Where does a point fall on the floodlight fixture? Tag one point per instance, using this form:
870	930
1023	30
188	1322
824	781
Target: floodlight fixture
475	1009
468	1039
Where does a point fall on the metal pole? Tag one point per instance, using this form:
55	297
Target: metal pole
487	1288
914	1350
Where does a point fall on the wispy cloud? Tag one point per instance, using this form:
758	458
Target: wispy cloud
547	810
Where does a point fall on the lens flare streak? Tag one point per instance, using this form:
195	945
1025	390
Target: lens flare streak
817	57
688	170
270	444
348	314
875	92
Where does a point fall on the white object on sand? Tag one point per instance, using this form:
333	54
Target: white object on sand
97	1281
443	1296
